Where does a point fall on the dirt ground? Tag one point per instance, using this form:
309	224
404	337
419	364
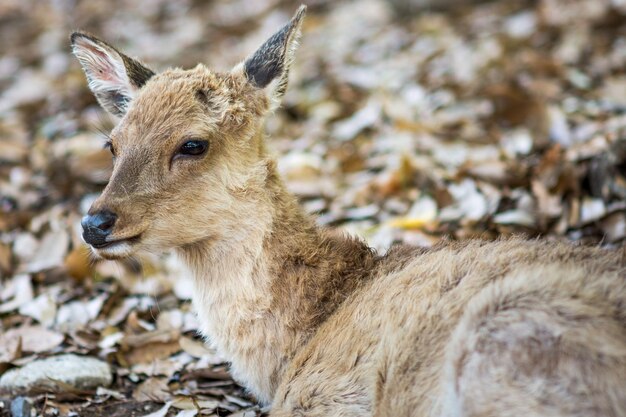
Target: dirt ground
403	122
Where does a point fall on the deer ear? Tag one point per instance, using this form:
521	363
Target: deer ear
268	67
113	77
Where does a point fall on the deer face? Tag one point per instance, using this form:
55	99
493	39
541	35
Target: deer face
188	152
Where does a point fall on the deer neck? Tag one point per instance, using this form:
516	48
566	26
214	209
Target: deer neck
252	303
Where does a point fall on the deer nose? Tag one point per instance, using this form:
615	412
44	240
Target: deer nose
96	227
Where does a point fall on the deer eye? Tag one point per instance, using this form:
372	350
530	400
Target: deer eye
108	145
193	147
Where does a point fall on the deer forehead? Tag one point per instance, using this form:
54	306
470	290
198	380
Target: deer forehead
192	102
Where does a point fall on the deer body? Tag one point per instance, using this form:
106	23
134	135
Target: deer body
315	323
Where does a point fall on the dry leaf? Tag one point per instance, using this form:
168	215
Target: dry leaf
162	412
78	263
50	252
190	403
43	309
19	289
194	348
33	339
149	352
153	389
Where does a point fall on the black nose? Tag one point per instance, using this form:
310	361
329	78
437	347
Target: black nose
96	227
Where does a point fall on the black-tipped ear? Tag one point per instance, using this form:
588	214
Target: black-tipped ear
268	67
113	77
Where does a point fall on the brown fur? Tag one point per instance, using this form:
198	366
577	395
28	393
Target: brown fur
316	323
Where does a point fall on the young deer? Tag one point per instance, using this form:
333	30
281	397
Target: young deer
313	322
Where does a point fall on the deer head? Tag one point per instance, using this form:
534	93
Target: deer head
189	160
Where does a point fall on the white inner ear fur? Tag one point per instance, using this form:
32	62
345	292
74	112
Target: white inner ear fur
104	68
276	88
270	90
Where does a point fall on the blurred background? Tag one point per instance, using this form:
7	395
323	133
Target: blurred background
405	121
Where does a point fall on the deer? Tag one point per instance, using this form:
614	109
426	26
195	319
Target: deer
314	322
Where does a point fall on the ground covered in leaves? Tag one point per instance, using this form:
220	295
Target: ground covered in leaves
403	122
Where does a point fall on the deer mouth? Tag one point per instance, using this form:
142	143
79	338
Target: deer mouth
116	249
129	240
